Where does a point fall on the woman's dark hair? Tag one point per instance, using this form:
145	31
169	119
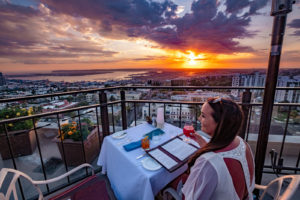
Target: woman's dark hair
229	117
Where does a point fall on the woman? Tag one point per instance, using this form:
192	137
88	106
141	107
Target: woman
224	167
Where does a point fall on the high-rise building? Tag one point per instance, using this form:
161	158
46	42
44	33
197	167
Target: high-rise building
2	79
235	83
258	80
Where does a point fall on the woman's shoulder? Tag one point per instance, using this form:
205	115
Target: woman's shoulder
205	163
208	158
234	144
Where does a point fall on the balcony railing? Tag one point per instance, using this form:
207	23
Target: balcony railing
130	112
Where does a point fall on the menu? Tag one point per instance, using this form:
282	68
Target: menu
180	149
173	153
163	158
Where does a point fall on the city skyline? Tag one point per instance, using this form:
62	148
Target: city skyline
40	35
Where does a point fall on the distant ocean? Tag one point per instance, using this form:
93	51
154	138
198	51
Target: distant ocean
116	75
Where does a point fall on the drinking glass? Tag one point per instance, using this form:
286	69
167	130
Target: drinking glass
145	143
187	130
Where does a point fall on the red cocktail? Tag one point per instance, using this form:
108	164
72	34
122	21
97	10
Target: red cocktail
188	129
145	143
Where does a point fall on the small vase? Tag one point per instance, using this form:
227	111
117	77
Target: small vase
160	118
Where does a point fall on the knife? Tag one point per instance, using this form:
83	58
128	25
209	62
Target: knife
140	156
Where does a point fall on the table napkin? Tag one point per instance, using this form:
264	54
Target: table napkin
155	132
133	145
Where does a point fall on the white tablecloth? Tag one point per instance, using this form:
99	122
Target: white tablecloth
128	178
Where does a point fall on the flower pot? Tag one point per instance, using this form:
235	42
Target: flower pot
21	144
73	151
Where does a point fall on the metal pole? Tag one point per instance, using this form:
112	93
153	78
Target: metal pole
104	113
112	117
40	152
62	146
279	11
123	109
246	99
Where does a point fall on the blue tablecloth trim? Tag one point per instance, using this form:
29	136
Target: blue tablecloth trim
133	145
155	132
137	144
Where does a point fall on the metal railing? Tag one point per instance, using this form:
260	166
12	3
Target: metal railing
103	121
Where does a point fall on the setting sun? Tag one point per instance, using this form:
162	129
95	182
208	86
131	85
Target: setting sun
190	59
194	59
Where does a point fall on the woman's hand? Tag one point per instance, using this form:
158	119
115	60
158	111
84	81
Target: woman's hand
199	139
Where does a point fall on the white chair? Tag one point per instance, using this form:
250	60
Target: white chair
275	189
175	194
17	174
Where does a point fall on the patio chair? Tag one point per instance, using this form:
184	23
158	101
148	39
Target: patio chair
171	193
277	188
90	188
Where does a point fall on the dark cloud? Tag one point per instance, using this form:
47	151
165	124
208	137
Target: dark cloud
296	25
129	13
150	58
297	33
204	29
256	5
29	32
233	6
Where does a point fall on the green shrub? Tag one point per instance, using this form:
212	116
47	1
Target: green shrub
15	112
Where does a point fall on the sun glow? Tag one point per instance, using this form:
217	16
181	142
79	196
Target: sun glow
234	56
191	60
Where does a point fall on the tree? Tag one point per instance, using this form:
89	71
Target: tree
70	98
83	103
112	98
294	114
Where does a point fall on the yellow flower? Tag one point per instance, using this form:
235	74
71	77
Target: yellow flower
61	134
18	114
10	124
7	116
24	109
70	133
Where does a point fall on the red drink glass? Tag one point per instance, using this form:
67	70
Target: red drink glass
145	143
187	130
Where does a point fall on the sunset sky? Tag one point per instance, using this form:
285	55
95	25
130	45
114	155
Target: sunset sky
44	35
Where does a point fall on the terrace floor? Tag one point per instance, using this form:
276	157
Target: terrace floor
54	165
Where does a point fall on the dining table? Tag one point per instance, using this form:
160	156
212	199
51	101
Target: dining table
128	175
